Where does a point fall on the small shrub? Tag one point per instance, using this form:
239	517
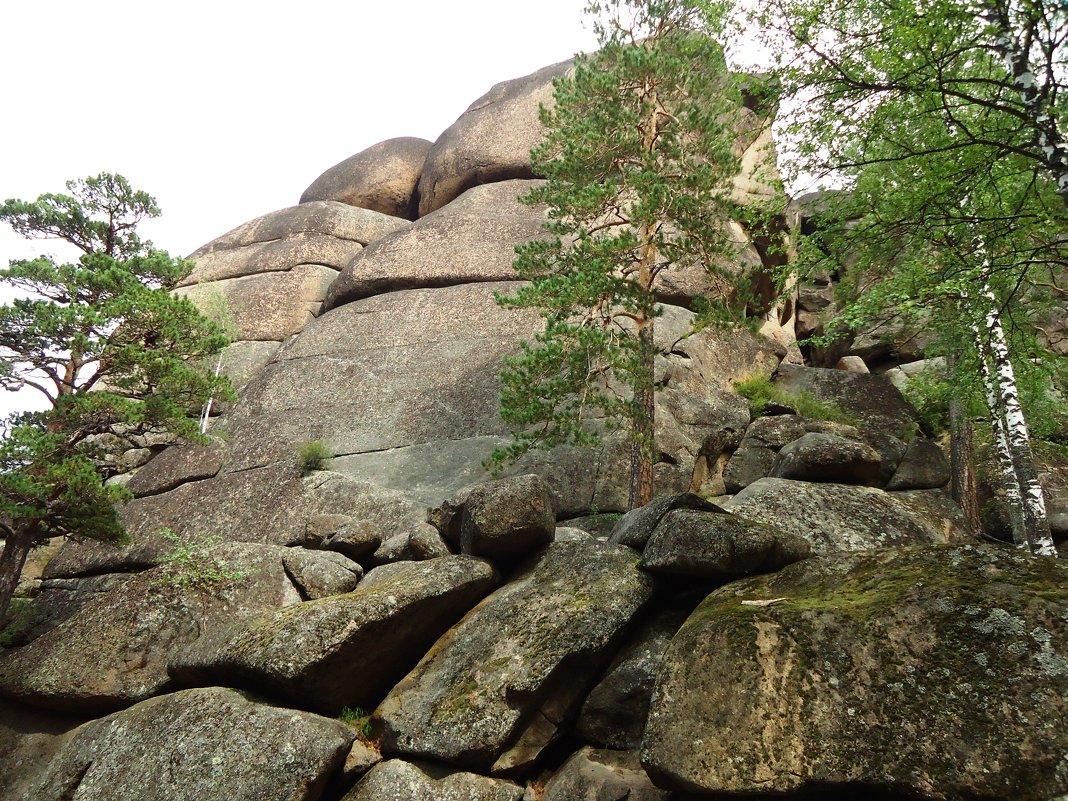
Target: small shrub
23	616
357	718
191	564
312	456
760	391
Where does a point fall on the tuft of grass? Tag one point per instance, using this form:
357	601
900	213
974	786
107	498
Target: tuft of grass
191	564
312	456
358	718
22	616
760	391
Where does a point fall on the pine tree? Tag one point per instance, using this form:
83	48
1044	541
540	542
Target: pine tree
112	351
638	166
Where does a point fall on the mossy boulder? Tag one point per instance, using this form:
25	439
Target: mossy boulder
496	690
935	672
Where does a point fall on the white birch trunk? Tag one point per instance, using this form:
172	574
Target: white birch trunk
207	406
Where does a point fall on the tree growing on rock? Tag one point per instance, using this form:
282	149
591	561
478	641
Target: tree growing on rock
113	352
638	164
946	120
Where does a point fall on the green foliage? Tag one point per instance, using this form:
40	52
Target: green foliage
23	617
760	391
358	718
638	165
190	562
931	393
312	456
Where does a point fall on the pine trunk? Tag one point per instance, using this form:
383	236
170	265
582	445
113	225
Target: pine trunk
16	548
962	456
644	422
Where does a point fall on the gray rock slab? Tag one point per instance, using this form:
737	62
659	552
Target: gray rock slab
939	673
472	240
923	466
113	651
719	545
177	465
397	780
495	691
382	178
839	517
194	745
829	458
344	650
491	141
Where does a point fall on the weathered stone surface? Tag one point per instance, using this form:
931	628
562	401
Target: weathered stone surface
596	774
266	307
472	240
319	574
494	691
613	715
719	545
491	141
852	364
747	465
58	599
923	466
636	526
28	740
826	457
194	745
502	519
397	780
113	651
837	517
177	465
241	361
381	178
939	672
344	650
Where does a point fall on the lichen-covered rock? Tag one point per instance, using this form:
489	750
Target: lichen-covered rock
840	517
503	519
381	178
596	774
320	574
472	240
613	715
935	672
923	466
637	526
345	650
719	545
28	739
195	745
178	465
494	692
491	141
826	457
397	780
113	651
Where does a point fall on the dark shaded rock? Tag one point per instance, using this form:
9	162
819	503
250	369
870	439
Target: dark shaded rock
491	141
495	690
503	519
113	651
381	178
637	525
28	740
826	457
923	466
60	599
195	745
473	240
838	517
613	715
345	650
397	780
595	774
748	464
939	673
719	545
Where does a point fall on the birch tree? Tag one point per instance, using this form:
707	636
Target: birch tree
638	165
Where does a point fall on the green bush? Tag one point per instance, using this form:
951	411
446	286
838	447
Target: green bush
357	718
191	564
23	616
312	456
760	391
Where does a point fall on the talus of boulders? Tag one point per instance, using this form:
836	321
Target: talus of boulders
346	650
498	520
495	691
193	745
613	714
937	673
113	650
719	545
397	780
840	517
382	178
491	141
471	240
600	774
